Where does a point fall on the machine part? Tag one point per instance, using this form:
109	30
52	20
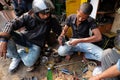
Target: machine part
91	65
66	71
48	51
30	78
44	60
85	70
56	57
34	78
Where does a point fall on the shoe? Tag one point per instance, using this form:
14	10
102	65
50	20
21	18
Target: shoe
14	64
97	70
20	50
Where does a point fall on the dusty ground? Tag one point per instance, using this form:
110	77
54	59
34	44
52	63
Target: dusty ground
40	71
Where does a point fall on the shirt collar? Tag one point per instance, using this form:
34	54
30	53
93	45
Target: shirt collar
75	18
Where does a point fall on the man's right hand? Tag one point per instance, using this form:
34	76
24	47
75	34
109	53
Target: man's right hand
60	38
3	49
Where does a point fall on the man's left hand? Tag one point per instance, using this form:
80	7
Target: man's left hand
73	42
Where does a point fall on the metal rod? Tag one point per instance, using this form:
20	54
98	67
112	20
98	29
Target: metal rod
66	64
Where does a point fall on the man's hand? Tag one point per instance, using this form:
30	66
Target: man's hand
3	49
74	42
60	38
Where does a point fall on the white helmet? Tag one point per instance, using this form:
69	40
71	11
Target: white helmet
42	6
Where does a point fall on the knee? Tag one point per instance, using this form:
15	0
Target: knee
61	51
28	63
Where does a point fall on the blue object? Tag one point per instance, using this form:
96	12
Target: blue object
65	71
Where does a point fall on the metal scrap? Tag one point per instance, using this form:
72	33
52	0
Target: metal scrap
30	78
67	64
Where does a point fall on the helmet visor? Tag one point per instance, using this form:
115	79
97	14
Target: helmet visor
46	11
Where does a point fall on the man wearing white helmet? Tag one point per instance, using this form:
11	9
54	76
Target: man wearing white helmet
38	24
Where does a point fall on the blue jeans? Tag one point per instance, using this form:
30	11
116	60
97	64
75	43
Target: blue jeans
91	51
16	5
23	6
29	58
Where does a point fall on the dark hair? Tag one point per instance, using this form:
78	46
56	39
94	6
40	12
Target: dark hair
86	8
